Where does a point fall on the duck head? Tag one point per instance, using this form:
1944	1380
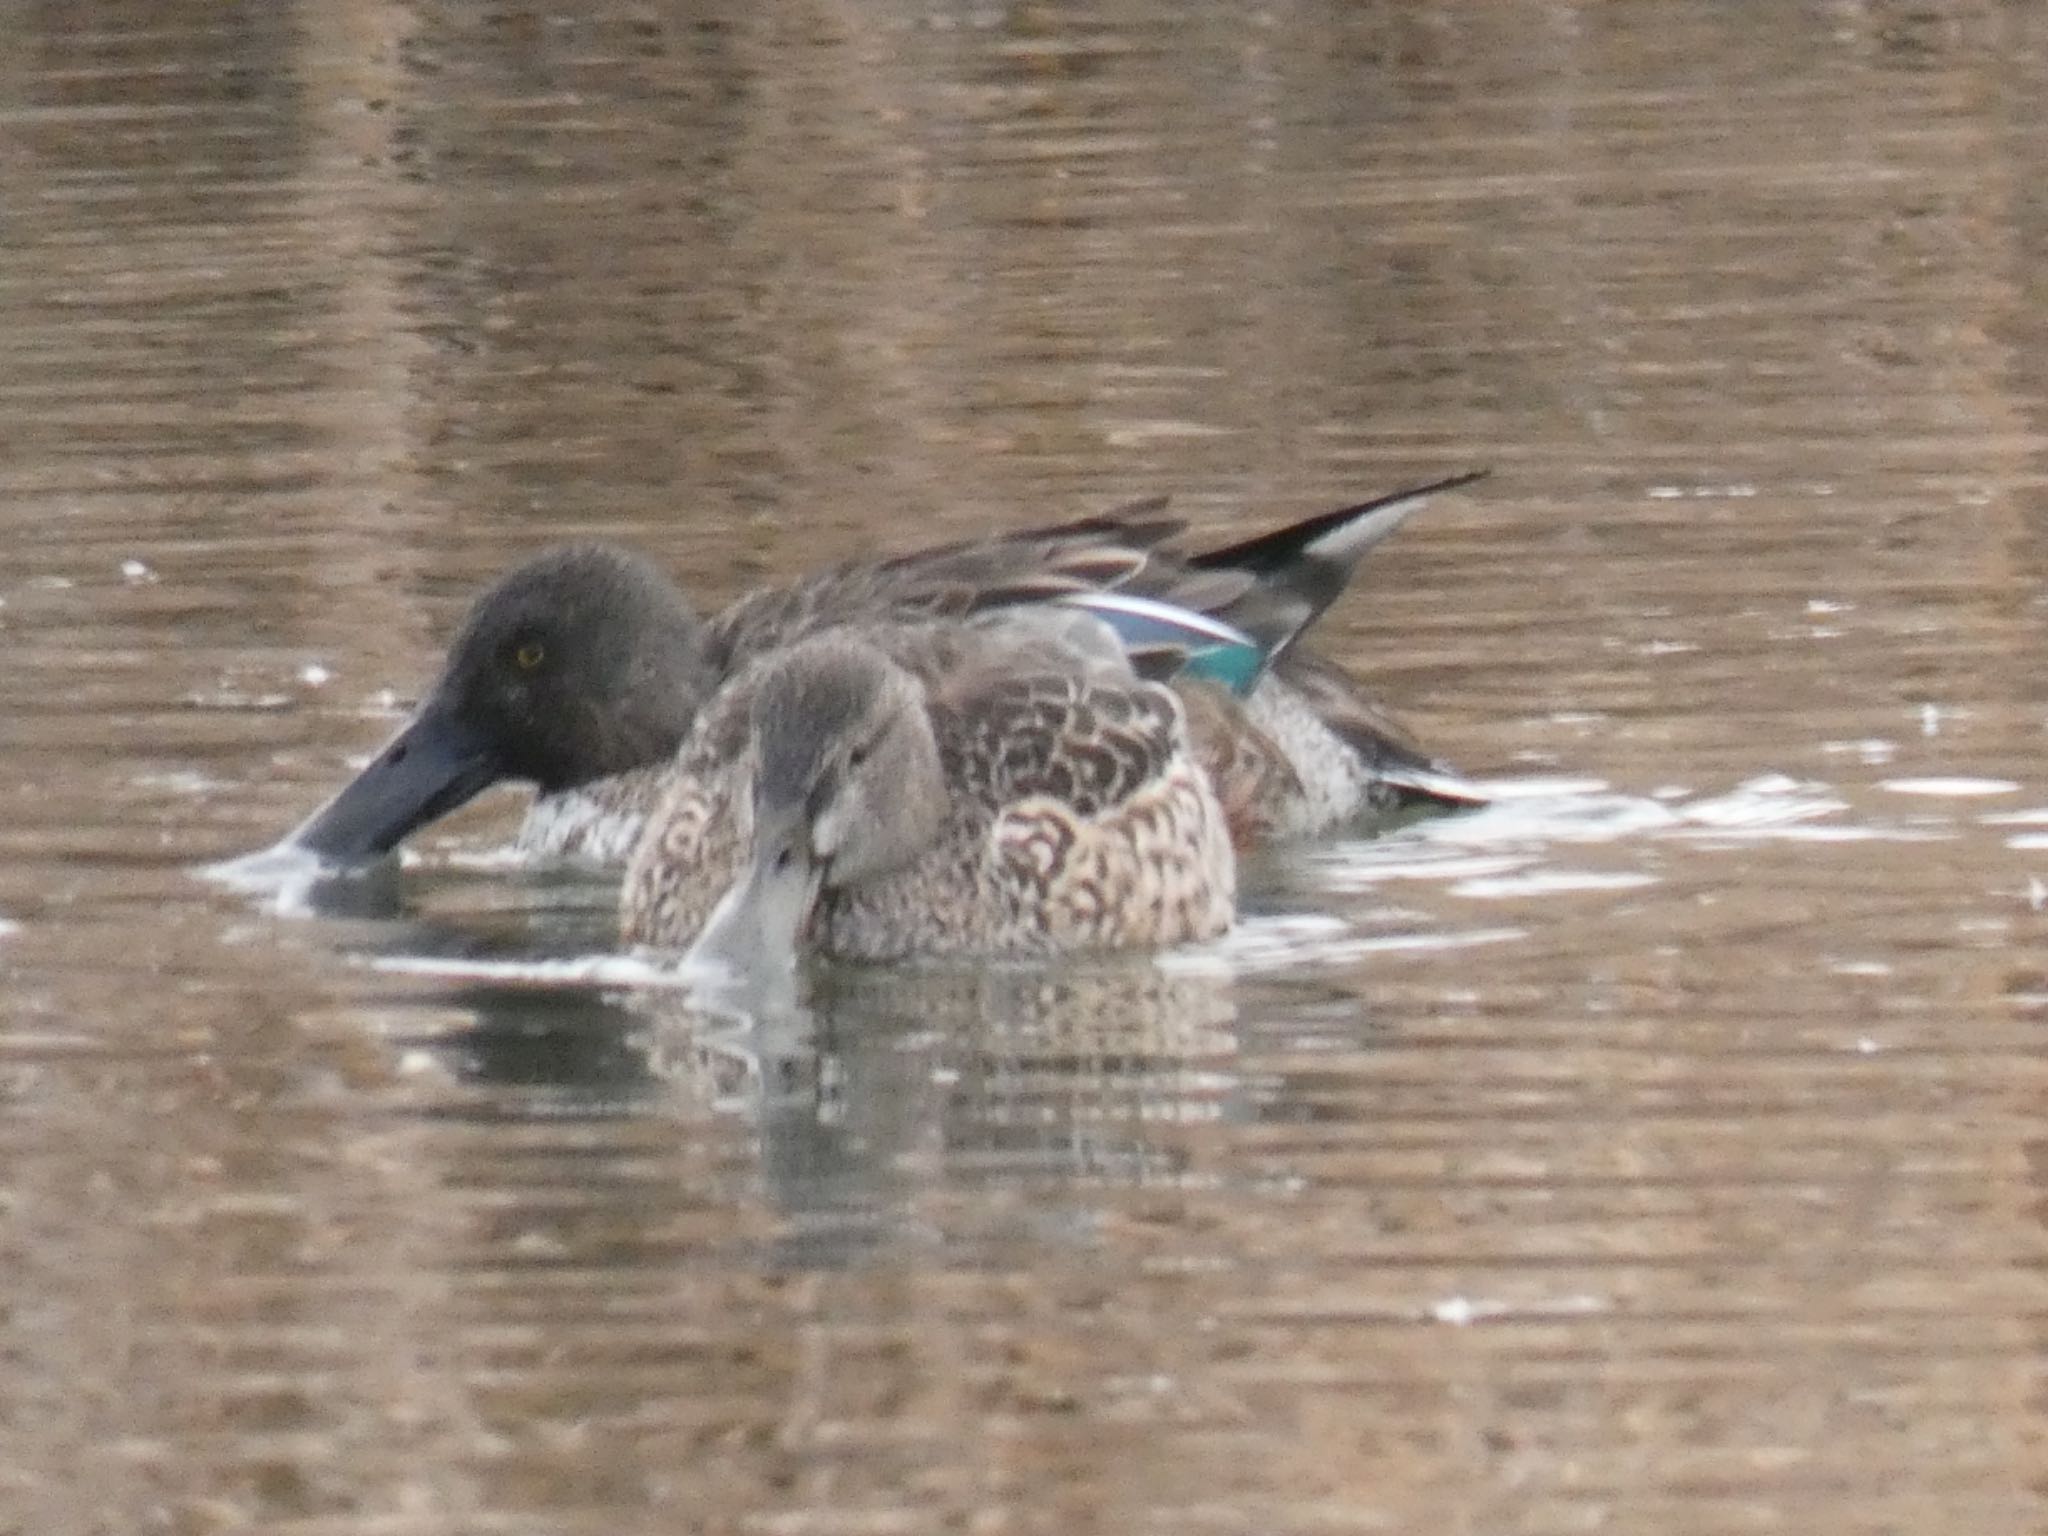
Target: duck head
846	785
583	662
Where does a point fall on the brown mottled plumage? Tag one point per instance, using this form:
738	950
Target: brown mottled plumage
1028	795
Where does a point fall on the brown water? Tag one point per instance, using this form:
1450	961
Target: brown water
1654	1153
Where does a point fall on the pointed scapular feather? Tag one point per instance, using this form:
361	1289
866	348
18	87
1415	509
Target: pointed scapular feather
1215	650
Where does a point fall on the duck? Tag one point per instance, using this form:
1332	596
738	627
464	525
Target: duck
581	672
1013	785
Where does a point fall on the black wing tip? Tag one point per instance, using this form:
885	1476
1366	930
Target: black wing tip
1461	479
1280	547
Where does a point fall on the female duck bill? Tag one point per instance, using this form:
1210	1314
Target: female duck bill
756	928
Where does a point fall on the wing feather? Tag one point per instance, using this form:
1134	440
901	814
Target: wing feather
1088	739
950	581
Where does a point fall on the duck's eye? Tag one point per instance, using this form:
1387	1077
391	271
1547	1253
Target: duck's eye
530	655
856	757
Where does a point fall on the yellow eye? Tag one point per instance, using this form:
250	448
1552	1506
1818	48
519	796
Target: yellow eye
531	655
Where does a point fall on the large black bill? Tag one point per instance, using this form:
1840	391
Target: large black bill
428	769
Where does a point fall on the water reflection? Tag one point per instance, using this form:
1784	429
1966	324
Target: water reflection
545	1050
885	1086
1663	1156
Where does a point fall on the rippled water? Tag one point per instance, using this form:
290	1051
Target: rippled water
1653	1151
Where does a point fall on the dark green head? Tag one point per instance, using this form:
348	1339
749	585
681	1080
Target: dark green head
584	662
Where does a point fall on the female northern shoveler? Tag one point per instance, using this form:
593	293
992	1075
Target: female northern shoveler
581	672
1005	785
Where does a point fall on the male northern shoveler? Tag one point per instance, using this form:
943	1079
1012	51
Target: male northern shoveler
1006	785
581	672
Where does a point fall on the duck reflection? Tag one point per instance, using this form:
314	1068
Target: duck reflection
891	1091
895	1085
577	1050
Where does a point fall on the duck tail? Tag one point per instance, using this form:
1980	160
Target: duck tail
1432	784
1297	571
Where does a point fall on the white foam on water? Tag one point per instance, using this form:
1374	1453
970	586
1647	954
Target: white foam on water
1362	866
1507	849
1718	837
1962	787
1737	491
1273	942
239	699
1552	882
1539	786
179	782
603	971
283	876
1591	816
1872	751
1463	1311
1769	801
498	859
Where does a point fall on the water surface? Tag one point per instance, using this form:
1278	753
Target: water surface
1654	1151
